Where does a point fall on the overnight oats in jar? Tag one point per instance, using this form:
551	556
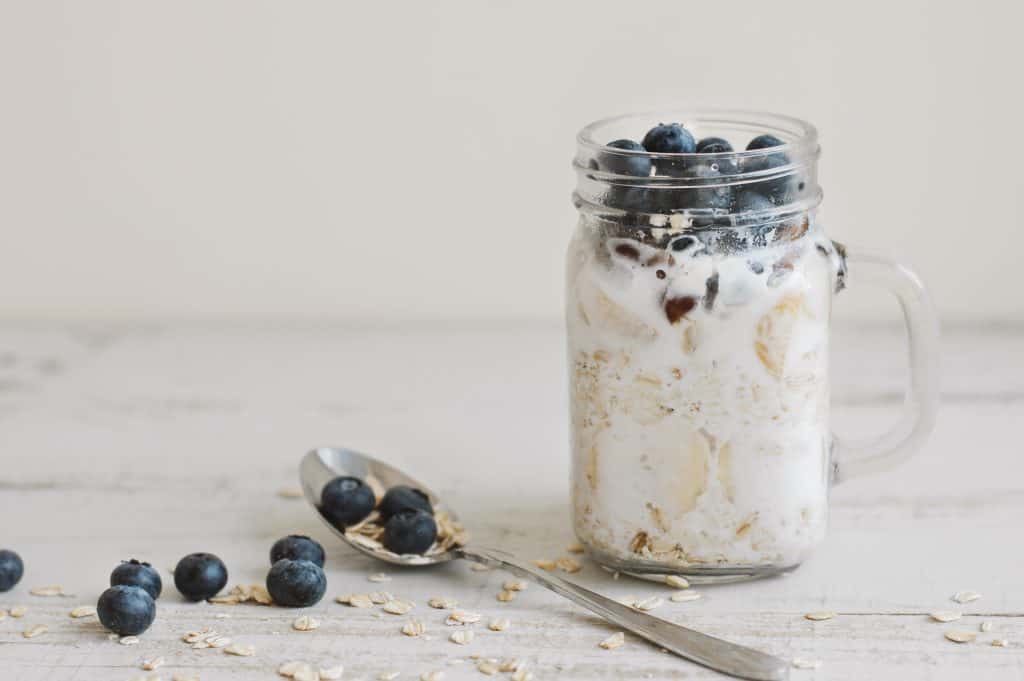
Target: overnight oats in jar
699	289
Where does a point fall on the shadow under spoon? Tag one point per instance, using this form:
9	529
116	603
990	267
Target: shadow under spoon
322	465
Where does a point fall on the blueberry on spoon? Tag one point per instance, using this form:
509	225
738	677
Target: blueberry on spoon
403	498
409	531
346	501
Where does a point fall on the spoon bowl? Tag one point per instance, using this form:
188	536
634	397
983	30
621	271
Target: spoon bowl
323	464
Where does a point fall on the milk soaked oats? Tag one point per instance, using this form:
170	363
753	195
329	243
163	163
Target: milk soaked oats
698	359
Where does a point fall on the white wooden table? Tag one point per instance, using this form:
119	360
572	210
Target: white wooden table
153	443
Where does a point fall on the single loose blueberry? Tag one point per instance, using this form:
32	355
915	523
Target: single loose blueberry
296	583
713	145
140	574
126	610
626	164
199	576
403	498
409	531
346	501
297	547
669	138
11	569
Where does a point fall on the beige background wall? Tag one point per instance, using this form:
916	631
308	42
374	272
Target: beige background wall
392	161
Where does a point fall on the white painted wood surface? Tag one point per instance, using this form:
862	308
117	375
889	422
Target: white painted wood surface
153	443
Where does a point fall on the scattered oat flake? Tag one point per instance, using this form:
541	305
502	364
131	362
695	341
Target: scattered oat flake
152	663
128	640
217	642
488	667
985	626
305	623
570	565
574	547
548	565
241	649
432	676
398	607
804	663
498	625
522	675
387	676
684	596
356	600
480	567
614	641
185	676
334	672
306	673
462	637
945	615
222	615
966	596
820	616
514	585
629	600
458	617
379	577
35	630
381	597
1000	642
413	627
442	603
289	668
960	636
505	595
290	493
677	582
82	611
510	664
53	590
193	636
649	603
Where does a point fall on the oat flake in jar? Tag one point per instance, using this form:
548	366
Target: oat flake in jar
699	290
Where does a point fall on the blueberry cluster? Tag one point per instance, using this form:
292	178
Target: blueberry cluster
405	512
716	198
128	607
296	578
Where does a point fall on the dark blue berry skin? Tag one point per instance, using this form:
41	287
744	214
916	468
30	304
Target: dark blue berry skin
713	196
713	145
780	190
346	501
199	576
764	142
626	164
409	531
296	583
750	201
669	138
297	547
11	569
126	610
682	243
137	573
403	498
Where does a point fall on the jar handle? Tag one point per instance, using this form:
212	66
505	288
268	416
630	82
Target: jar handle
921	399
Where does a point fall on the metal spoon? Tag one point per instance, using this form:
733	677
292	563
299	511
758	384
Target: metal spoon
321	465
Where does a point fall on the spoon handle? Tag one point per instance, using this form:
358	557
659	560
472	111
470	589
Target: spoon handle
720	655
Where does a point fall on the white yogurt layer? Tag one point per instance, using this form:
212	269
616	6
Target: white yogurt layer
699	418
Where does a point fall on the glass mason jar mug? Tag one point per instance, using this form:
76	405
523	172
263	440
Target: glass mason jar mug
699	292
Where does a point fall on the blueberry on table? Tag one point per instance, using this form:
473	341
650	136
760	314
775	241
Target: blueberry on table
140	574
11	569
625	164
403	498
409	531
126	610
296	583
669	138
199	576
297	547
713	145
346	501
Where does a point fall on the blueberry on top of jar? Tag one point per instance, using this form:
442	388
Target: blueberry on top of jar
669	138
764	142
626	164
403	498
713	145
